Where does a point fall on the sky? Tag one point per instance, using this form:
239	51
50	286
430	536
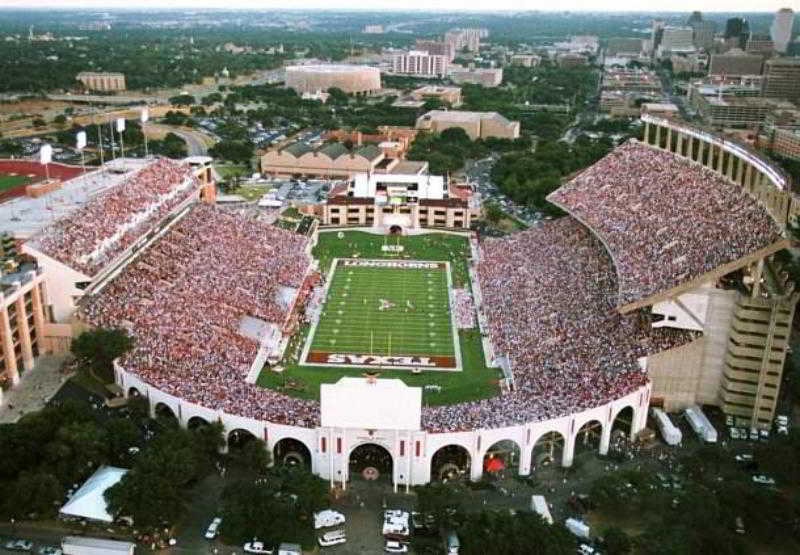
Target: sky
422	5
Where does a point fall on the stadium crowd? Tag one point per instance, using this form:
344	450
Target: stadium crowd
464	309
96	233
664	219
548	294
183	301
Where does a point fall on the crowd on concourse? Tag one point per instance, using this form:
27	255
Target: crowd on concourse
95	234
183	301
548	294
664	219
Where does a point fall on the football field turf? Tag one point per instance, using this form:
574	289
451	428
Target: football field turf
389	309
11	181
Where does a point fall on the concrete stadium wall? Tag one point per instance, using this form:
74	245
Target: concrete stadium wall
412	452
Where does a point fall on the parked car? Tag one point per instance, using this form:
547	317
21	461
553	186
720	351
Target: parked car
328	518
257	547
734	433
395	547
332	538
19	545
762	479
753	434
49	550
213	528
744	457
782	420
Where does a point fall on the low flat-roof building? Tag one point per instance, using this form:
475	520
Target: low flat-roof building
486	77
478	125
94	81
451	95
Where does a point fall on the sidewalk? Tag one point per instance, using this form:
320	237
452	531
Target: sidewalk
35	388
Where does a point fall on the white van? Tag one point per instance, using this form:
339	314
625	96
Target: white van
332	538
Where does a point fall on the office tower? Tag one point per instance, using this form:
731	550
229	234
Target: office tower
781	29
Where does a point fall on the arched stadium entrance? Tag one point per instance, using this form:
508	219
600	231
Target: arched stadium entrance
548	450
370	461
238	438
589	436
621	432
451	462
133	392
292	452
163	411
196	422
501	457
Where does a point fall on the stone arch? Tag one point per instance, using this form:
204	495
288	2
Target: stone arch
164	410
507	451
371	461
196	422
548	449
291	452
239	437
622	427
451	462
589	436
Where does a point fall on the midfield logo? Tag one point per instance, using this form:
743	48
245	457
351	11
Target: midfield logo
371	360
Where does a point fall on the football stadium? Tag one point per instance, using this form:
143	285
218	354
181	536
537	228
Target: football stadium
434	354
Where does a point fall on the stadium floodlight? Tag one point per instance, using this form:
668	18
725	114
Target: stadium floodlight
45	157
120	125
120	129
80	144
145	117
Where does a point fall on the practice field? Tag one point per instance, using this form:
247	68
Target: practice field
11	181
381	313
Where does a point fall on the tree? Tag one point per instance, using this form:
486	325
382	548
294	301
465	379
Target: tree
182	100
442	500
616	541
338	97
239	152
98	348
501	533
60	120
39	122
493	212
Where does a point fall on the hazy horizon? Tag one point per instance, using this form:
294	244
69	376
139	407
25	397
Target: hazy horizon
417	6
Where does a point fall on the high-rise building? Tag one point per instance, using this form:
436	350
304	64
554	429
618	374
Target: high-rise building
760	44
782	79
737	30
437	48
735	63
676	39
102	81
419	62
704	34
781	29
694	19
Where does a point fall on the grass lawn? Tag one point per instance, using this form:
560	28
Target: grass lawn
386	311
475	381
431	246
11	181
228	171
291	212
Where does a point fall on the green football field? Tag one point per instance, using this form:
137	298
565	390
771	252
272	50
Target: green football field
386	311
11	181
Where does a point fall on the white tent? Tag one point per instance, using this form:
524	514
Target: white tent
88	502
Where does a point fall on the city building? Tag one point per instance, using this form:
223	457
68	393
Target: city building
525	60
782	79
735	63
737	30
373	29
486	77
352	79
704	32
419	62
397	202
619	103
106	82
569	60
624	47
781	133
735	111
781	29
332	160
450	95
478	125
393	141
25	320
437	48
660	109
631	80
676	40
759	44
465	39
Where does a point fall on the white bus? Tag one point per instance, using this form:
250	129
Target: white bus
539	505
671	433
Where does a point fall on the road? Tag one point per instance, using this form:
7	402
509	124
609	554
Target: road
197	142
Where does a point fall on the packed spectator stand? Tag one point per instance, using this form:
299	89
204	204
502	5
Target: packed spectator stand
183	299
549	296
93	235
664	219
